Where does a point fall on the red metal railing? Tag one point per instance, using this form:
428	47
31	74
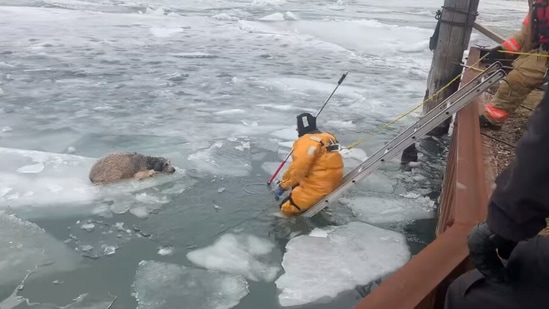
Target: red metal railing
422	282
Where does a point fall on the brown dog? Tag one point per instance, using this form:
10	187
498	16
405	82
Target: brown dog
123	165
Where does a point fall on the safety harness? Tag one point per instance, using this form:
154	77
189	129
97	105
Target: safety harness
333	144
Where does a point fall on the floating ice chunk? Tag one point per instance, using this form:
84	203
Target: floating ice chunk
318	232
121	206
414	164
4	191
220	190
140	212
161	286
243	146
80	302
287	134
105	240
158	12
224	16
315	269
86	248
354	153
224	158
24	245
88	227
410	195
166	251
56	180
387	209
249	124
31	169
109	250
151	199
291	16
378	183
231	111
165	32
288	144
273	17
238	254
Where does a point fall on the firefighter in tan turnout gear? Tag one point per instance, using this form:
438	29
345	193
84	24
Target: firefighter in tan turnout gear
529	70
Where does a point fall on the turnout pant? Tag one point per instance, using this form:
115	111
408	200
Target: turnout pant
528	73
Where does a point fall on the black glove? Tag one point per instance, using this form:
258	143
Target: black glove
483	244
495	54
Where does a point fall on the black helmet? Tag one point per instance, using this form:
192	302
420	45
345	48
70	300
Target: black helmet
306	123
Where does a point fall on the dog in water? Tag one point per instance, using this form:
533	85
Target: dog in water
122	165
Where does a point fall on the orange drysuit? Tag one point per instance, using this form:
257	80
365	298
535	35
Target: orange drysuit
316	170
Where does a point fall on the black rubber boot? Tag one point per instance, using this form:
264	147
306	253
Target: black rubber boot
485	123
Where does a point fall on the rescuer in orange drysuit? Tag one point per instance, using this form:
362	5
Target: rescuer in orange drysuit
529	70
315	171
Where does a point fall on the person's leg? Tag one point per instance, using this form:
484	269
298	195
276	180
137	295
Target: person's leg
528	73
472	291
288	208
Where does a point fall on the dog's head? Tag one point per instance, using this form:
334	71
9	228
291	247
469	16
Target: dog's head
162	165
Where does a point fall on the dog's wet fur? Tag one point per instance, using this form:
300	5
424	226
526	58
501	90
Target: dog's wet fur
123	165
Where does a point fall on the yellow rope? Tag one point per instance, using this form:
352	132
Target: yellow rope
417	106
523	53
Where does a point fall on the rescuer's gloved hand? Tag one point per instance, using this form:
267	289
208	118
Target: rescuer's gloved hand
278	192
484	246
495	53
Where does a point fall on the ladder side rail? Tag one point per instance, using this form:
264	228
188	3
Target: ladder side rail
457	95
417	132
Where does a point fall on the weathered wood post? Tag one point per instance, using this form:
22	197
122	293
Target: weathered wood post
450	39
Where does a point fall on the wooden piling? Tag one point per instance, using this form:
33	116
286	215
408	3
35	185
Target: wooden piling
449	41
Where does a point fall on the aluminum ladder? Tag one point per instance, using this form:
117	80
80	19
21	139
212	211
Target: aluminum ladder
424	125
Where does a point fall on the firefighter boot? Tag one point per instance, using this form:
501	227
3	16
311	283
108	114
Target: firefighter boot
485	123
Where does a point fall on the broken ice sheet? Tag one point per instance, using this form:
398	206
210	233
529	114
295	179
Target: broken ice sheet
165	251
83	301
160	285
23	245
36	178
241	254
223	158
103	240
385	209
318	268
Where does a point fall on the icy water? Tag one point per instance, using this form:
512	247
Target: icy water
214	86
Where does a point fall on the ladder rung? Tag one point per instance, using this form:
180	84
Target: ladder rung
433	118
